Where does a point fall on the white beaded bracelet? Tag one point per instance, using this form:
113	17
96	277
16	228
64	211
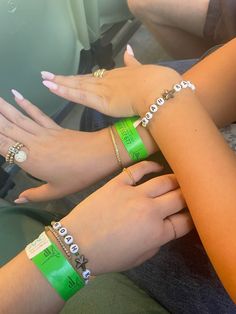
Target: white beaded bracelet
161	100
80	260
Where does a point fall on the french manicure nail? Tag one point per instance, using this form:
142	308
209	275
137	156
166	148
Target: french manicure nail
47	75
50	85
130	50
21	200
17	94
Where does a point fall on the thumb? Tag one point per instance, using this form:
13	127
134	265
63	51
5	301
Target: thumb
42	193
129	58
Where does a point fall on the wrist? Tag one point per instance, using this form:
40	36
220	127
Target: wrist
157	87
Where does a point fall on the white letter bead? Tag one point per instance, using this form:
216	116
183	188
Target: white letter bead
74	248
62	232
184	84
68	239
177	87
192	87
160	101
56	225
144	122
86	274
148	115
153	108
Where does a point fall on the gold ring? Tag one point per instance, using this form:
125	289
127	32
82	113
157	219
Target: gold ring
171	222
15	154
99	73
130	175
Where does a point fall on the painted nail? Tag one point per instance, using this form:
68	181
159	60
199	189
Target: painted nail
50	85
21	200
17	94
130	50
47	75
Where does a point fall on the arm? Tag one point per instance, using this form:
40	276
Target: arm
63	157
206	170
190	141
104	241
215	91
215	78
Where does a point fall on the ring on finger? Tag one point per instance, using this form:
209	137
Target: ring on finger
16	154
99	73
126	170
173	227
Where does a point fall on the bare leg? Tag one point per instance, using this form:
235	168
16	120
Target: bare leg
177	25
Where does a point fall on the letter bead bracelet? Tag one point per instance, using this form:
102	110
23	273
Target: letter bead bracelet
67	243
166	95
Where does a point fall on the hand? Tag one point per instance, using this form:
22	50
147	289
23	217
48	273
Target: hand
120	225
121	92
67	160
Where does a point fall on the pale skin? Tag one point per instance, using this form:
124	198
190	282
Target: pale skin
102	235
187	163
45	138
182	131
175	24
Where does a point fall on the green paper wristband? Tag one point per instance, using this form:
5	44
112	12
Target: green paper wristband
58	271
131	139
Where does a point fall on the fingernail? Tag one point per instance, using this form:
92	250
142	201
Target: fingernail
17	94
21	200
50	85
47	75
130	50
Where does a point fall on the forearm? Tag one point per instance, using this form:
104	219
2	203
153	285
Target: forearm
106	158
23	289
215	78
206	170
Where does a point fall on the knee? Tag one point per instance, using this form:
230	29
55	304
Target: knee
137	7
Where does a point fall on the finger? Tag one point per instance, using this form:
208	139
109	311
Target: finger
42	193
69	80
129	59
14	132
34	112
88	96
5	144
159	185
18	118
137	171
179	224
170	203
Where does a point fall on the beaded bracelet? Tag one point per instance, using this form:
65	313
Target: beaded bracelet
166	95
80	261
61	242
117	153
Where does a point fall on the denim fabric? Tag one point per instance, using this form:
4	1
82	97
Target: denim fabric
180	276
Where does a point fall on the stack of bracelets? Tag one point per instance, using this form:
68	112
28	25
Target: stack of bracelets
67	275
131	140
126	128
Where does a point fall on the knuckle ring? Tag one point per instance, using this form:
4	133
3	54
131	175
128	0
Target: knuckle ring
126	170
15	154
99	73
